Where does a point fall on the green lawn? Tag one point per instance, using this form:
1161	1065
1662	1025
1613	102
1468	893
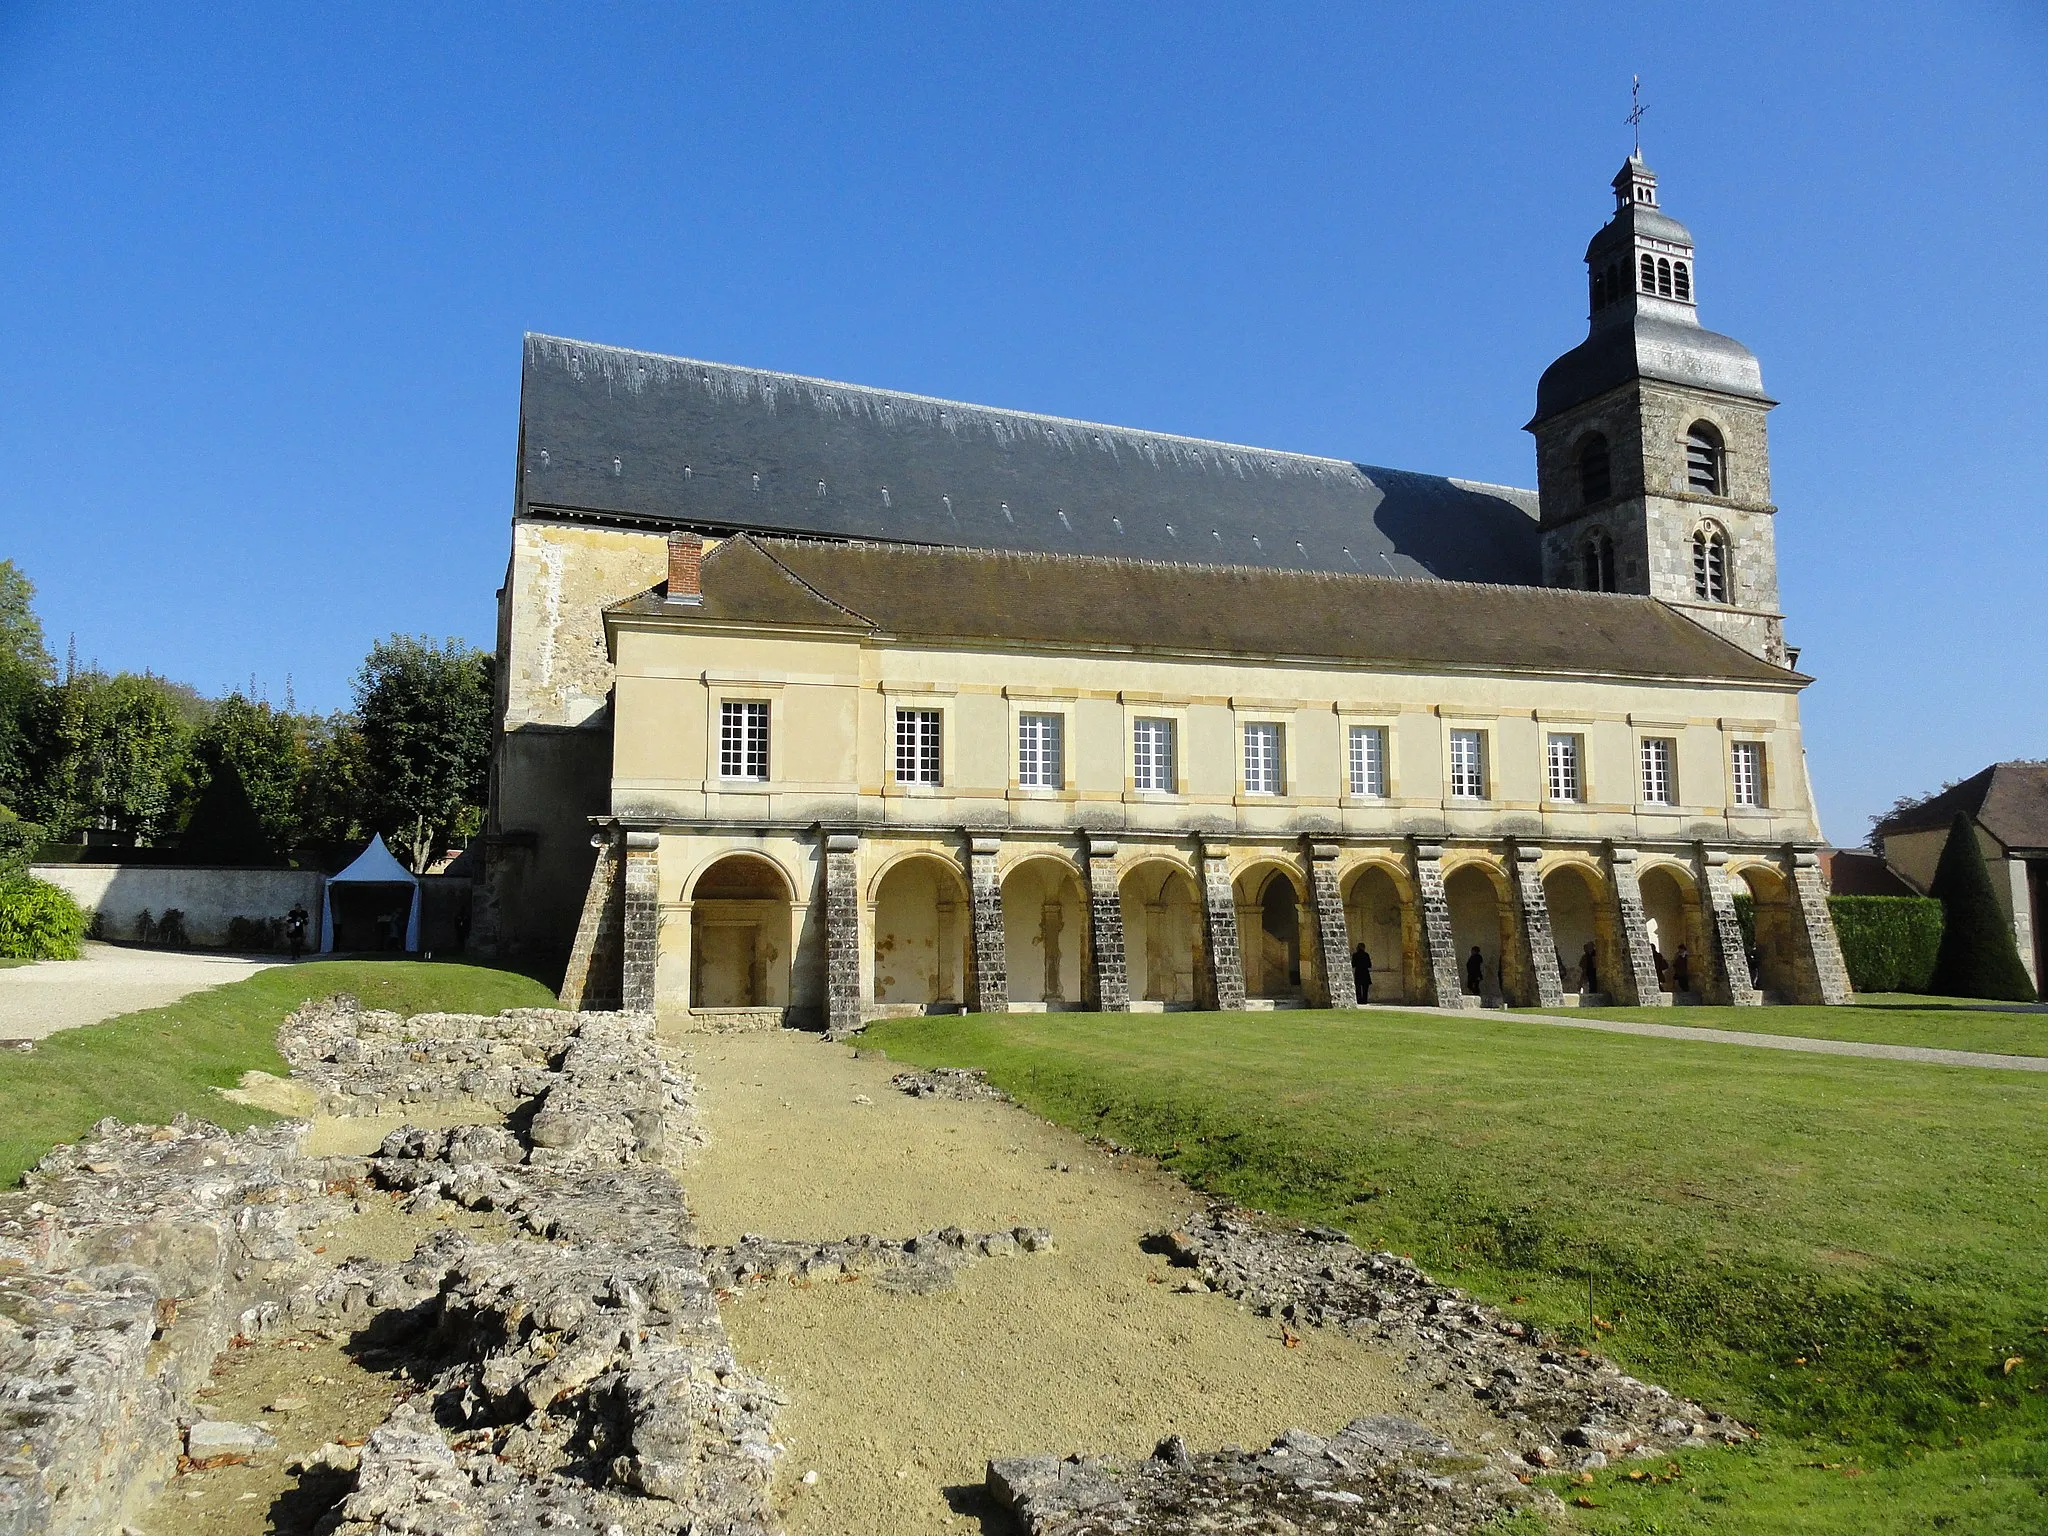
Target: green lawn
147	1066
8	962
1892	1019
1843	1252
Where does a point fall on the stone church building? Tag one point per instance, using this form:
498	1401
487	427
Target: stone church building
820	703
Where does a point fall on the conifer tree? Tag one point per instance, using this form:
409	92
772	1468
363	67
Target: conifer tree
1978	956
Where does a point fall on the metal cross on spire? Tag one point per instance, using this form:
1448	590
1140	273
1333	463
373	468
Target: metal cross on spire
1636	109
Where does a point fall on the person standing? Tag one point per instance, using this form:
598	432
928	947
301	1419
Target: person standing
1681	969
1589	968
1361	974
1475	971
295	930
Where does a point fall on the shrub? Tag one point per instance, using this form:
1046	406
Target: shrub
1979	956
18	841
256	933
1888	942
38	921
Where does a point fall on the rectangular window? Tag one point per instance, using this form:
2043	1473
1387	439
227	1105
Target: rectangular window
1152	755
1262	766
1749	773
743	739
1562	754
917	746
1468	765
1660	775
1369	761
1039	764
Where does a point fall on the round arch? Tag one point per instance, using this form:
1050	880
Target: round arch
740	937
1677	931
1272	926
740	869
910	856
1771	935
1581	905
1381	917
1045	932
1164	957
919	922
1482	927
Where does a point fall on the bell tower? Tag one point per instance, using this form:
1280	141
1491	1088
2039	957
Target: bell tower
1652	459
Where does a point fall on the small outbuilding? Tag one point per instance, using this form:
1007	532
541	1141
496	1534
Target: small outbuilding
373	904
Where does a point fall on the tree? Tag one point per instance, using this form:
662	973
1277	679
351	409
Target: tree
112	751
334	783
1978	956
425	712
225	828
26	673
264	751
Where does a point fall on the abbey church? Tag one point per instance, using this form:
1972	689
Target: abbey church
821	703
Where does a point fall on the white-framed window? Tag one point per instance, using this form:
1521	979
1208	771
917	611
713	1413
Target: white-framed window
1468	765
1747	772
1040	757
1561	765
1152	762
1263	769
1660	770
919	759
1369	761
743	739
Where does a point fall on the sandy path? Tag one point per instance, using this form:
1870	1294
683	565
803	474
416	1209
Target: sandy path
897	1401
40	999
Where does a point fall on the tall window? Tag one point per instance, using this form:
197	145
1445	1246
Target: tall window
1468	765
1660	778
1562	753
1596	478
1369	761
743	739
1039	758
1710	565
1748	766
1596	560
1152	755
1262	766
918	755
1704	457
1681	281
1649	274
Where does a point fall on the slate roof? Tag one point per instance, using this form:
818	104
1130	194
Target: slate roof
963	594
643	440
2008	800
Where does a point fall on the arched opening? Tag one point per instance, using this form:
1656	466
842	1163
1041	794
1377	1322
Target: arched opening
1482	933
1663	277
920	932
1380	919
1162	934
1596	478
1710	564
1671	911
1588	961
1681	281
1649	273
1704	459
739	935
1045	935
1771	933
1596	562
1269	933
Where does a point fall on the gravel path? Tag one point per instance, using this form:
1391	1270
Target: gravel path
40	999
1806	1043
896	1401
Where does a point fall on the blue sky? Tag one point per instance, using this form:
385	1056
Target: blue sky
264	271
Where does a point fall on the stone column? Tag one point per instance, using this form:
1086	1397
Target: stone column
1226	961
1333	934
641	937
1823	975
1639	959
1537	939
991	970
842	934
591	981
1730	981
1106	930
1440	950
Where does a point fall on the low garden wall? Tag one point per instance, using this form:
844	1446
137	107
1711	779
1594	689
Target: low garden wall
210	898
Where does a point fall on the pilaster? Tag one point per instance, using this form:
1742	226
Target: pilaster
1219	906
1440	951
842	934
991	971
1730	981
641	936
1333	934
591	981
1639	958
1822	974
1538	942
1106	929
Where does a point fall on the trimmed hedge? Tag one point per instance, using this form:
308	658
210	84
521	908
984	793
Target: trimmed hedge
1888	942
38	921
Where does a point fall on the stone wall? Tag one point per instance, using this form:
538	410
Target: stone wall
208	897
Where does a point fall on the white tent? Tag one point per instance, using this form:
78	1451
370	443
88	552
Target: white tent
373	866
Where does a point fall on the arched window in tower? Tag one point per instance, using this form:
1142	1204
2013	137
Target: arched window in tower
1596	478
1649	278
1710	564
1599	290
1663	277
1596	562
1681	281
1705	464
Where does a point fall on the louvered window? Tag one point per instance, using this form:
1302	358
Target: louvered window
1710	565
1704	459
1649	274
1596	560
1681	281
1596	472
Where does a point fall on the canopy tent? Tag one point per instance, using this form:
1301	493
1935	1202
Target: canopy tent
373	866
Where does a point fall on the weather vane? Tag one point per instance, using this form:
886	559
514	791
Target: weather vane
1635	112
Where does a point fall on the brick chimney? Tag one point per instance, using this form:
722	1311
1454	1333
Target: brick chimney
685	558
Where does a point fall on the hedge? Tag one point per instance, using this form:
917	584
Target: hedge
38	921
1888	942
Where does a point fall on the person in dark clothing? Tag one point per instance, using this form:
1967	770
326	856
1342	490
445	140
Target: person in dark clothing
1475	971
1589	968
1361	973
295	930
1681	969
1663	968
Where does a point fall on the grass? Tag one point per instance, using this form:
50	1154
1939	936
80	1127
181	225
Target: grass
8	962
148	1066
1895	1020
1842	1252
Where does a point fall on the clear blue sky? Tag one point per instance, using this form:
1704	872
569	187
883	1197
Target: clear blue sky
264	271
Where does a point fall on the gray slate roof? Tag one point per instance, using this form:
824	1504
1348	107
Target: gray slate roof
658	442
2008	800
982	595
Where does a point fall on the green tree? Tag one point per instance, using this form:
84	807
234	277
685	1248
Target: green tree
334	783
26	673
113	751
425	712
264	751
1978	955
